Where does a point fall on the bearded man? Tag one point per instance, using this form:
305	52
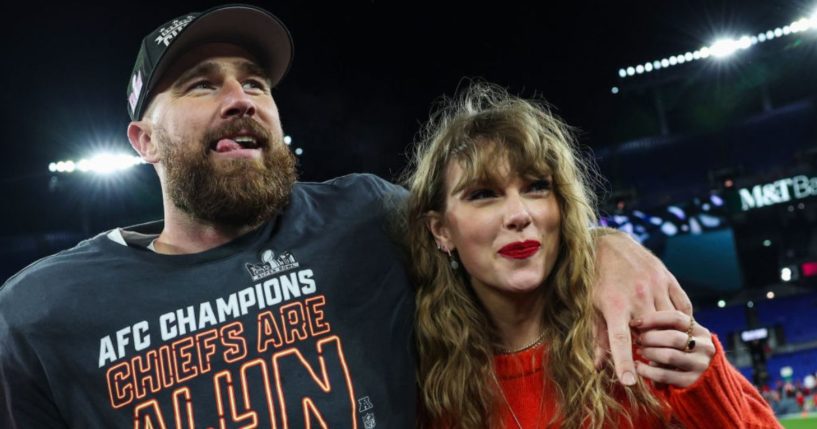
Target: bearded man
257	301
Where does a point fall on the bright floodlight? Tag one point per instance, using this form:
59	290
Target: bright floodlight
721	303
723	48
299	151
639	69
727	46
104	163
770	295
614	90
288	139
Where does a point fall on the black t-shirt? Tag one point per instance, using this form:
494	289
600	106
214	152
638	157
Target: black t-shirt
304	321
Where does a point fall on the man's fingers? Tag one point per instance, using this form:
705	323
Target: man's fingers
679	298
621	349
663	303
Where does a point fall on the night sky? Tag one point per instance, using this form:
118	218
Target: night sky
364	76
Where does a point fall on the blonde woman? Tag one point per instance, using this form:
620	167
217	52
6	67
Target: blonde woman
499	219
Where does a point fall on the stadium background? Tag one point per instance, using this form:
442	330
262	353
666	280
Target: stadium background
710	162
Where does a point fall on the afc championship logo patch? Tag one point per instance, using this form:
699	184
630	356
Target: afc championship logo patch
271	264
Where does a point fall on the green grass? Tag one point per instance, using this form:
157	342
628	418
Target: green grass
799	422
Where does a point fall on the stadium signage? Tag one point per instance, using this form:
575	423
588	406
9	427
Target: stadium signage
777	192
754	334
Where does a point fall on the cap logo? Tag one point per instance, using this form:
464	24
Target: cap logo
167	34
136	86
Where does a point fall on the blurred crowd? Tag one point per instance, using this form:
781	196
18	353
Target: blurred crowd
790	397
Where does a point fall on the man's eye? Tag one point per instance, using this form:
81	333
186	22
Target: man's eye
255	84
202	84
480	194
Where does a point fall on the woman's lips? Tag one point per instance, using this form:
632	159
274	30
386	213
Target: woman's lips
520	249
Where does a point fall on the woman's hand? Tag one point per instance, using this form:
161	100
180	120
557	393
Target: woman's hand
678	348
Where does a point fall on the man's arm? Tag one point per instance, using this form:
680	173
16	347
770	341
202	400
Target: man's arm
630	281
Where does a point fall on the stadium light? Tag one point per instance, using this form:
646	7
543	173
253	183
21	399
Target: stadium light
721	303
723	47
785	274
103	163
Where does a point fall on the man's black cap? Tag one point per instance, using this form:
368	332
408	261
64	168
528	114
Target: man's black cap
252	28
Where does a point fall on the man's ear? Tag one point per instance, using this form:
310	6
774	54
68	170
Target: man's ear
140	136
436	225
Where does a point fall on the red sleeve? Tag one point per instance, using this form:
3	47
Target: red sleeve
720	398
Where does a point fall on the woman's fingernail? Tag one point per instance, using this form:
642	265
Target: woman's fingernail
628	379
635	322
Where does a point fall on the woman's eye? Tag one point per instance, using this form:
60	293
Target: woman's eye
480	194
541	185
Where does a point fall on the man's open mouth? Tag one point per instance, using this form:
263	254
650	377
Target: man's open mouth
229	144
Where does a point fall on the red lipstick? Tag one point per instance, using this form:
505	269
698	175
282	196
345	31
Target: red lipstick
520	249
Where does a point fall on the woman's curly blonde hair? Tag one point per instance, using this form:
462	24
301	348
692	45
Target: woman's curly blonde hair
456	339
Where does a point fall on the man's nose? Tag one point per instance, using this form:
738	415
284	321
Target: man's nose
236	101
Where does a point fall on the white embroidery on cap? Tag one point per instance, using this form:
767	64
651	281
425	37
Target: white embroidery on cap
167	34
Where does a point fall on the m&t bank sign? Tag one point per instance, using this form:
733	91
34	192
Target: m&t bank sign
777	192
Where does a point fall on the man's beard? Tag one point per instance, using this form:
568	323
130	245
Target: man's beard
228	192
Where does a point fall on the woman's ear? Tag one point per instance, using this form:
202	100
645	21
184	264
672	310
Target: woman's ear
435	223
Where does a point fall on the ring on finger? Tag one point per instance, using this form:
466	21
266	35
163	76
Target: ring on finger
690	344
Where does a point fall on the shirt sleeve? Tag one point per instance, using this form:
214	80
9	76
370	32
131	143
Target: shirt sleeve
25	395
720	398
